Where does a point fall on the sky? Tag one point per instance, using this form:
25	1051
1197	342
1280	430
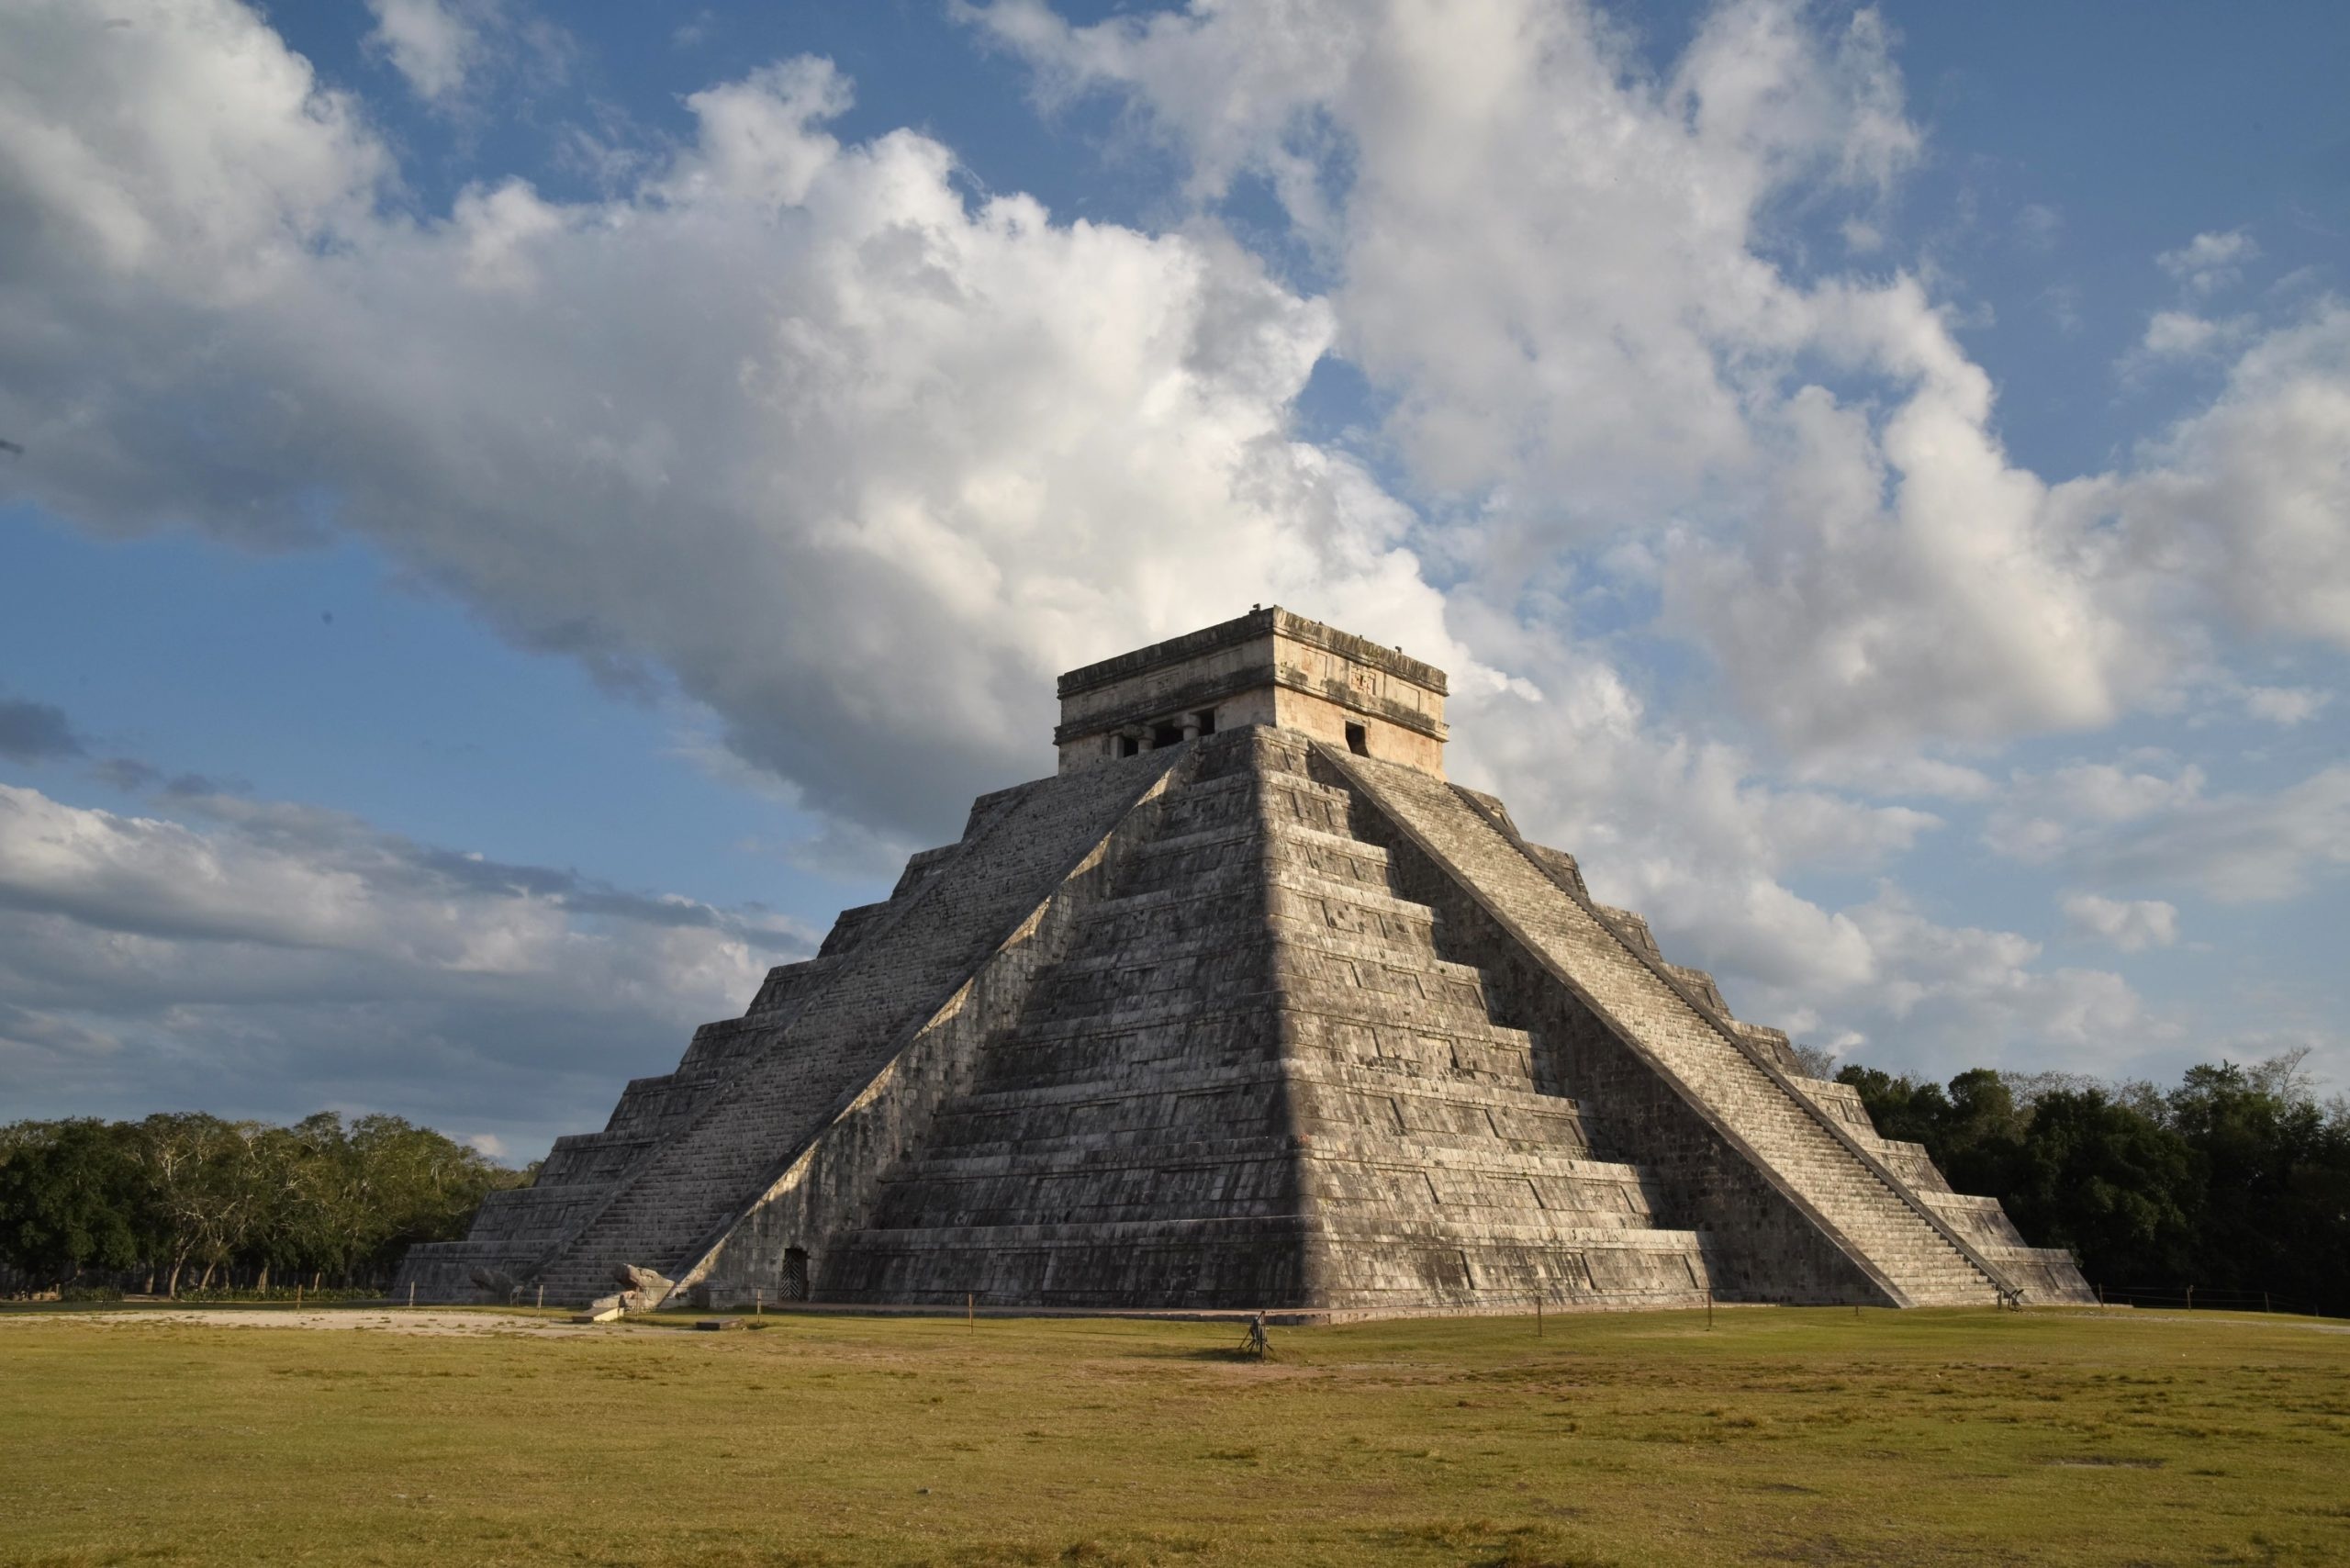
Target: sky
512	515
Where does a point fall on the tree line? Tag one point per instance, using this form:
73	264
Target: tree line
2236	1181
184	1202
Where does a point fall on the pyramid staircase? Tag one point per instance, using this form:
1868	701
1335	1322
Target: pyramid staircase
1254	1082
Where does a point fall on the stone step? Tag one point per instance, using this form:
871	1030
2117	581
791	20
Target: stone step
1786	1133
1158	1082
1401	1152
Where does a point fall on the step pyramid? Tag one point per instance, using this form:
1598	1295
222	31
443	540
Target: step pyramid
1247	1007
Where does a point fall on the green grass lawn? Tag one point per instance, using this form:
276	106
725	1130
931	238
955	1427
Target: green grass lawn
1799	1436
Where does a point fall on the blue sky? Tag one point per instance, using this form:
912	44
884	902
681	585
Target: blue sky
515	515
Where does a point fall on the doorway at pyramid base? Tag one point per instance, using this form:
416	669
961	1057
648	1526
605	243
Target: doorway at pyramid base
1247	1019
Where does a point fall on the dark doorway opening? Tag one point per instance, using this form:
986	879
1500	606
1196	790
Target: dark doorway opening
1358	740
1165	735
1205	719
795	1273
1129	747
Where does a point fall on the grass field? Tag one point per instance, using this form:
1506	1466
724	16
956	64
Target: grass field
1801	1436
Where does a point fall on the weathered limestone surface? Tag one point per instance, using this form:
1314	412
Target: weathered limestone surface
1253	1082
1774	1161
1269	1015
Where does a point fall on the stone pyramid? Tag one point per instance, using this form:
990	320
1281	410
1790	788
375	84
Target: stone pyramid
1246	1007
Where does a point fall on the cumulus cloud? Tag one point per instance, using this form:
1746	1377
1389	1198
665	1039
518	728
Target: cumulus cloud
292	956
428	42
2246	497
1814	457
2176	334
1621	376
858	465
2130	925
2210	263
191	158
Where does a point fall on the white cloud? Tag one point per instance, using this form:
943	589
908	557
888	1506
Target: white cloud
191	157
1937	997
2239	847
1622	373
2210	263
1840	525
2176	337
2245	501
2287	705
428	42
2115	825
861	466
2130	925
2042	816
2177	333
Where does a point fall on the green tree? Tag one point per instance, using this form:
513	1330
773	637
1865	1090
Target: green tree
2276	1171
2121	1190
211	1187
69	1199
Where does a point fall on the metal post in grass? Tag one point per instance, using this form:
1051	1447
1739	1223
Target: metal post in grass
758	1301
2191	1298
1709	1309
542	1293
970	1309
411	1293
2264	1301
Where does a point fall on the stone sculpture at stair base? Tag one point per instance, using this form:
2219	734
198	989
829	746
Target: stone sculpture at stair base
1246	1007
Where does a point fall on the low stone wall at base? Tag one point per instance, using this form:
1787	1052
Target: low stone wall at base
443	1271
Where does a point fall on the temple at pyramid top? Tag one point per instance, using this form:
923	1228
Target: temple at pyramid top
1268	666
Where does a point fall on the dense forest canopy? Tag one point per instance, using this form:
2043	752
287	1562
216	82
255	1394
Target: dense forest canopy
184	1201
2237	1182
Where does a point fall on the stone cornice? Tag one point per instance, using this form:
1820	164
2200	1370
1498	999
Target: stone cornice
1273	620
